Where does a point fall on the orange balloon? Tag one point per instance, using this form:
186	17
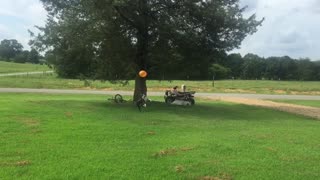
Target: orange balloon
143	73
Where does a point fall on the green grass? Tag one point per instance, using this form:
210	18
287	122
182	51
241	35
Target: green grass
227	86
86	137
301	102
8	67
237	86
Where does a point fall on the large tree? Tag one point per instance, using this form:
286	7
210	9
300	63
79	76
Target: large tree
9	48
114	39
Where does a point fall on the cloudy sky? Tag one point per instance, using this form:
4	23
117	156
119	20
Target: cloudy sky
291	27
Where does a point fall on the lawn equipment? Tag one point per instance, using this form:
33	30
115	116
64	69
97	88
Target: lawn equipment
179	98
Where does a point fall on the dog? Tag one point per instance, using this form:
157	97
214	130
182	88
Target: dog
142	102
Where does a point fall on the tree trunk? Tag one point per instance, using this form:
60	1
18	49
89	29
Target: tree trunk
141	62
142	51
140	88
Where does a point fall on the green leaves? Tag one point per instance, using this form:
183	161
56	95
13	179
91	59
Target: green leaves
116	34
10	48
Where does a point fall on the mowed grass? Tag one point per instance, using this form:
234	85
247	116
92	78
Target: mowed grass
87	137
226	86
301	102
8	67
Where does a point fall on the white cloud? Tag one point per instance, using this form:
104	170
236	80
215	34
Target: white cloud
291	28
17	16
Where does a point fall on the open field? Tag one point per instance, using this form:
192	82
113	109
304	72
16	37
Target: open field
86	137
7	67
301	102
228	86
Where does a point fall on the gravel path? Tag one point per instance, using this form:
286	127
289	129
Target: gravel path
204	95
25	73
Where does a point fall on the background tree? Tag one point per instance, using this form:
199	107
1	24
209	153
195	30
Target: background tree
317	70
253	67
22	57
10	48
33	57
235	63
115	39
305	69
219	71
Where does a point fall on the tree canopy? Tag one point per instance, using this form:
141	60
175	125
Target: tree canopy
12	50
9	48
114	39
252	66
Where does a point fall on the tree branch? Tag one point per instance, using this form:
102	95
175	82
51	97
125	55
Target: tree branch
117	9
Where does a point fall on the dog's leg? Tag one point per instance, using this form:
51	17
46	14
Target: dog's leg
138	105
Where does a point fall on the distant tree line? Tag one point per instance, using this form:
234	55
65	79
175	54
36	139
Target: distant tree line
218	65
252	67
249	67
12	51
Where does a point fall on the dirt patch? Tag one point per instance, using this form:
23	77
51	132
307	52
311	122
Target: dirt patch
239	91
271	149
186	148
280	91
172	151
68	114
30	122
222	176
19	163
210	178
165	152
313	93
22	163
307	111
107	89
151	133
179	168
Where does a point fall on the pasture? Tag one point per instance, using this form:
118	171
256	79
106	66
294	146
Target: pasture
86	137
7	67
51	81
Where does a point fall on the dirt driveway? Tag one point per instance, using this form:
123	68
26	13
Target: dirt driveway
307	111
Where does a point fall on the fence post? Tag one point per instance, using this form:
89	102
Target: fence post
213	81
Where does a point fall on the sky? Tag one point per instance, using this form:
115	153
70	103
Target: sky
291	27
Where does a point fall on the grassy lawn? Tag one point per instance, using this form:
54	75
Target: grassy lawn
236	86
301	102
7	67
86	137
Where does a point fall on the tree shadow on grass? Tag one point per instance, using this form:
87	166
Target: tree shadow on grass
214	111
162	112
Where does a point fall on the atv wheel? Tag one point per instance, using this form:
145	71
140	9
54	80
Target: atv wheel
192	101
169	100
